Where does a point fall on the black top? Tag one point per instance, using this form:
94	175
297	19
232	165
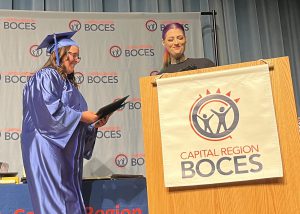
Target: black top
188	64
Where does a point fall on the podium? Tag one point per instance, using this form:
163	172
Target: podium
275	195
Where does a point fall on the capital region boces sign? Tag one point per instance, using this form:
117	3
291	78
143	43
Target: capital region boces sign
218	127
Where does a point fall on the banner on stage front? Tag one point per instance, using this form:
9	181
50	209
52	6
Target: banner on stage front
218	127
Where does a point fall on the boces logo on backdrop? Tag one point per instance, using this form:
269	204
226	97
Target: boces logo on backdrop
79	78
34	51
132	51
12	23
93	25
15	77
151	25
96	77
214	116
10	135
115	51
130	160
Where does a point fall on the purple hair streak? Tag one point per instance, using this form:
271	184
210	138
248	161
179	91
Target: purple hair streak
171	26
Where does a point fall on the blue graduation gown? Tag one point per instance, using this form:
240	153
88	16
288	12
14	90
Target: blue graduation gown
54	142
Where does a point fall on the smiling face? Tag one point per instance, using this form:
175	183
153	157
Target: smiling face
71	59
175	42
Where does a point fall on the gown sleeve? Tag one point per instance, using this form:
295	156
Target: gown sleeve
90	140
53	117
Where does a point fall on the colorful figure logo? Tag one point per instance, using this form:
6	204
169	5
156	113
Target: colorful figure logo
214	116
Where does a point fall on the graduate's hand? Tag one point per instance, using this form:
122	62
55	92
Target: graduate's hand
102	121
88	117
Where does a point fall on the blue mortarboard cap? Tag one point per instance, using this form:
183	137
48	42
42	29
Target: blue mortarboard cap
57	40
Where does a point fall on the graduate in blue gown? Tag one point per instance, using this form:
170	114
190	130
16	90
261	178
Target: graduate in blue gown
58	131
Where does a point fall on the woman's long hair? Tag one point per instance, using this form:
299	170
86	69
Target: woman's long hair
166	55
51	63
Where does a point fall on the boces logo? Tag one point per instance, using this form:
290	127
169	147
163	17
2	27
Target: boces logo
122	160
74	25
13	23
79	78
115	51
214	116
133	104
132	51
93	25
34	51
15	77
151	25
109	132
10	134
95	77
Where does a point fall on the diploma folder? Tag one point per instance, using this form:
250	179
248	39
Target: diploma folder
110	108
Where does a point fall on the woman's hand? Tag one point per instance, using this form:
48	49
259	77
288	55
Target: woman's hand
88	117
102	121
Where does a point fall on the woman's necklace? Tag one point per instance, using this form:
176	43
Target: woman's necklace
179	60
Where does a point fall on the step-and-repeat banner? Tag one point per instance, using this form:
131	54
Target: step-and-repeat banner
218	127
116	49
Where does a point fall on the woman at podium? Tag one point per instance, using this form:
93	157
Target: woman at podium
174	60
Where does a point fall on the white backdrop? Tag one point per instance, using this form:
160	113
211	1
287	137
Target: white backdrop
116	50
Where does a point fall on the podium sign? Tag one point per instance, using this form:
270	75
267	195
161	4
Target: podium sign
218	127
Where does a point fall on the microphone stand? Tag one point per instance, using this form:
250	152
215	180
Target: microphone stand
213	14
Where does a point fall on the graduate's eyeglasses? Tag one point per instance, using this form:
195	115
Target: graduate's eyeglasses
75	56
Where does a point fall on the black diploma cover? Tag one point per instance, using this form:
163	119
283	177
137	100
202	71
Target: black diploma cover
110	108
